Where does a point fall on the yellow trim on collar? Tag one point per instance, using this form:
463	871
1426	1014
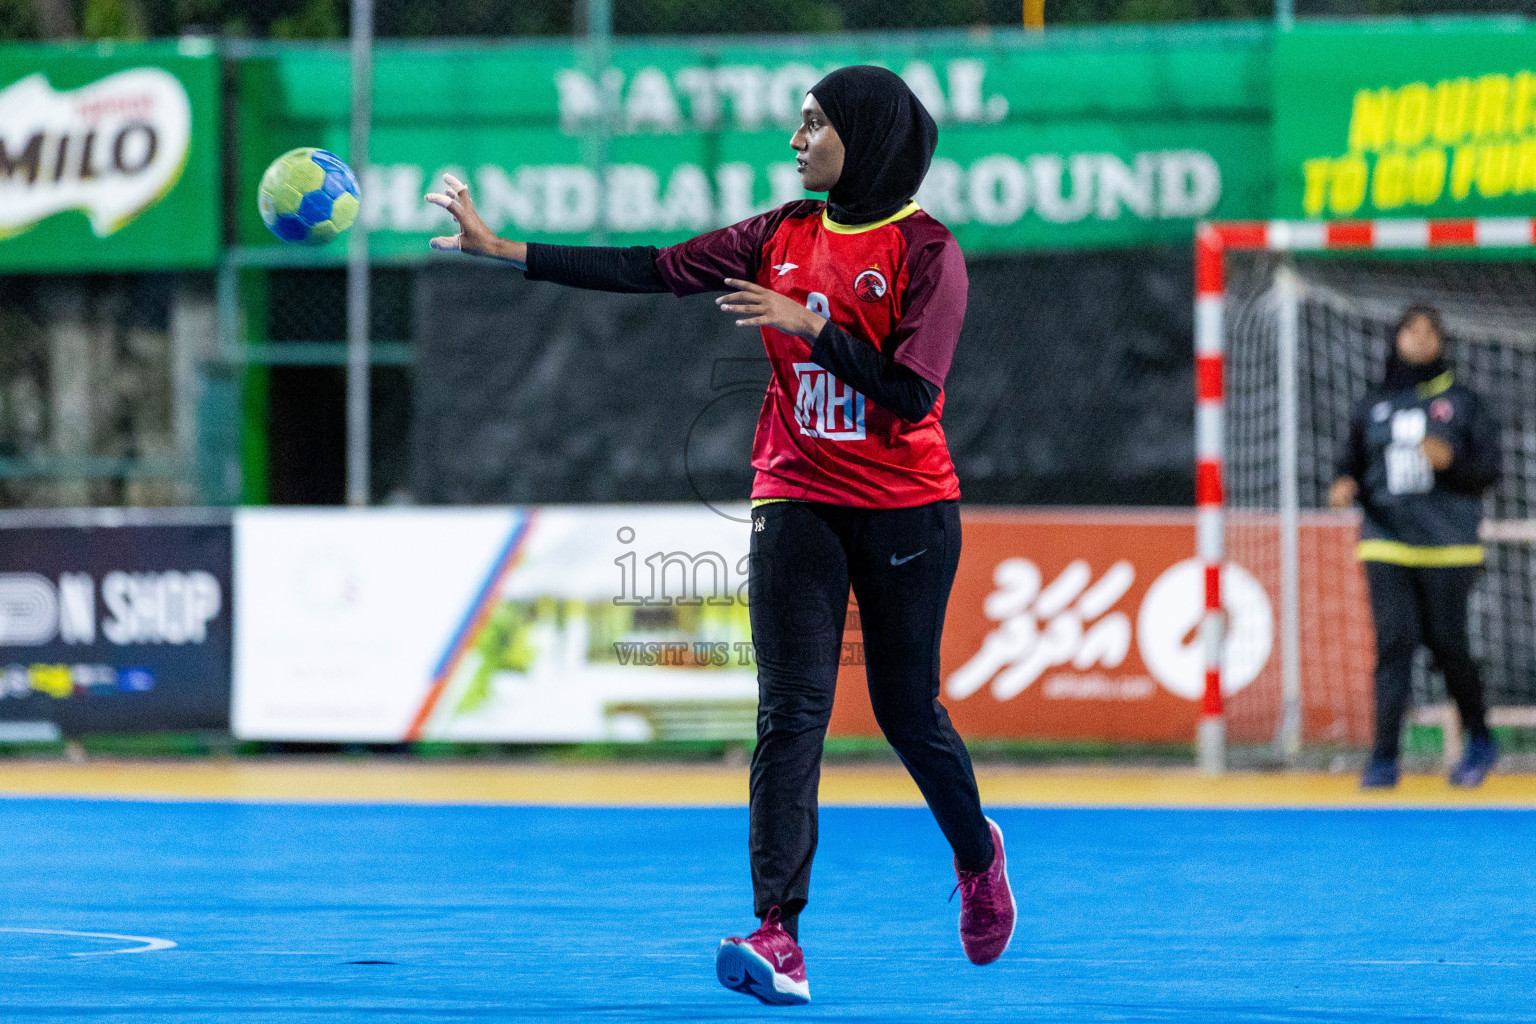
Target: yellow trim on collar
1415	557
855	229
1435	385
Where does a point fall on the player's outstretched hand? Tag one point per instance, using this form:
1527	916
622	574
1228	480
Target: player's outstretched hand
474	238
762	307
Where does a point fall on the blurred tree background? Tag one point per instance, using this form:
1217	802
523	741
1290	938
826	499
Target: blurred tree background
327	19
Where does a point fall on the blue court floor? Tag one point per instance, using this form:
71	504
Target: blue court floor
517	913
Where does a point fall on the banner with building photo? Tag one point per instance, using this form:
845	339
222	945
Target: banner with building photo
1105	138
115	628
109	156
559	624
1406	120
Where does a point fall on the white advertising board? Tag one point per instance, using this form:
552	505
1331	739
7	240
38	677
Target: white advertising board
496	625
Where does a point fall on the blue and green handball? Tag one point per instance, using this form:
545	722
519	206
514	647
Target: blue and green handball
307	196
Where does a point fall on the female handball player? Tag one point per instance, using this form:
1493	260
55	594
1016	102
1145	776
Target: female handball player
860	300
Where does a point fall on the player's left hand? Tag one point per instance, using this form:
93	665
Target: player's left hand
762	307
1439	453
1343	492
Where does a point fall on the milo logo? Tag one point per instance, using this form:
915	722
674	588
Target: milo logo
111	149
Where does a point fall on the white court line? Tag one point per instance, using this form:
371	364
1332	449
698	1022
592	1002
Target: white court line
150	945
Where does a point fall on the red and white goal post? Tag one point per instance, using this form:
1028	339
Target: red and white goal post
1214	324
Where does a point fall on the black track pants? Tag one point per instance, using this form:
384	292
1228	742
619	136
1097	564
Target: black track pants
901	564
1428	607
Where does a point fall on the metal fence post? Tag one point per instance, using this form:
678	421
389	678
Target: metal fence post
194	325
357	261
1288	730
599	47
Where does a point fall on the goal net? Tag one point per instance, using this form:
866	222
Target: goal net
1305	335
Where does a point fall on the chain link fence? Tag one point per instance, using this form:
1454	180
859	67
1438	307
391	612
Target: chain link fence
501	18
1070	386
98	385
414	19
296	326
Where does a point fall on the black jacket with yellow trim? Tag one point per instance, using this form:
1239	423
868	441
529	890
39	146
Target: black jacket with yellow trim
1414	515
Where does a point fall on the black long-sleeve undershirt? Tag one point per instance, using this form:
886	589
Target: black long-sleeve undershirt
600	268
874	374
633	269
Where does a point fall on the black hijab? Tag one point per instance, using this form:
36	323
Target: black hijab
888	141
1400	375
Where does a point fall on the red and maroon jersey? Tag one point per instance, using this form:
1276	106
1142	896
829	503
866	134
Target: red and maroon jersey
898	284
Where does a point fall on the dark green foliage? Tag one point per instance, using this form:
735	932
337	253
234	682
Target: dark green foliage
112	19
317	19
423	18
689	17
19	20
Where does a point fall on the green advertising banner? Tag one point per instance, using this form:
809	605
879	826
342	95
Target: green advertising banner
1419	120
1105	138
109	157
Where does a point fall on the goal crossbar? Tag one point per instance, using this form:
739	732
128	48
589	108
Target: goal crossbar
1213	240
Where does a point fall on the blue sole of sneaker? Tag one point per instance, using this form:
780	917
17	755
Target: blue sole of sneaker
742	970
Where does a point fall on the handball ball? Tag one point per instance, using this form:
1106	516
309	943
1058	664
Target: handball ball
307	195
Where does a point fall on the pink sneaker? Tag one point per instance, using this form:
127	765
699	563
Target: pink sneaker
987	910
767	964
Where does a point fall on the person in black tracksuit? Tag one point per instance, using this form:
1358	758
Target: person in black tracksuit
1422	448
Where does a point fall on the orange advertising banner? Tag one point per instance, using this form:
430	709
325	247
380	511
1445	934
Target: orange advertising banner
1082	626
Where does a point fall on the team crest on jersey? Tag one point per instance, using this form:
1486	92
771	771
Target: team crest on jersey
870	285
1441	410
